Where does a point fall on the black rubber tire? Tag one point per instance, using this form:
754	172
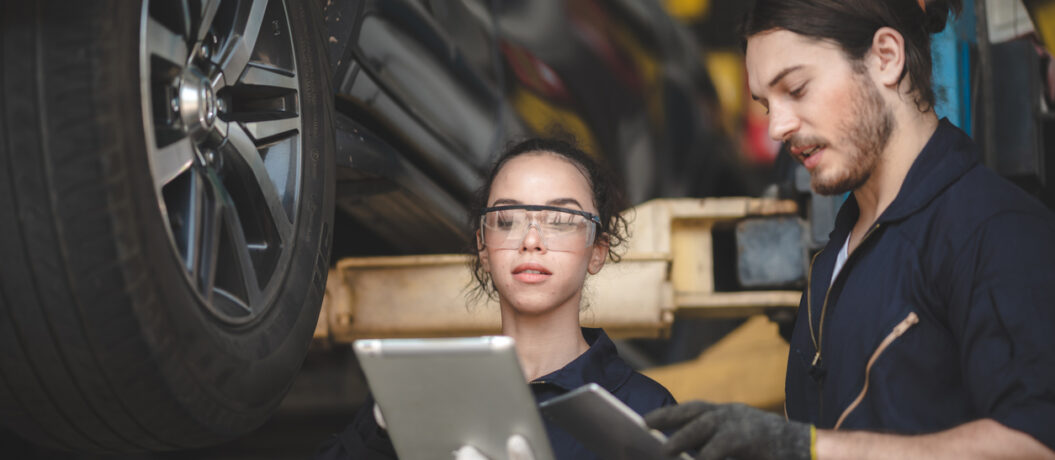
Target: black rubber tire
103	345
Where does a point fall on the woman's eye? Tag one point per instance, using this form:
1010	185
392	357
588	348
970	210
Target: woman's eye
559	219
504	222
798	92
564	224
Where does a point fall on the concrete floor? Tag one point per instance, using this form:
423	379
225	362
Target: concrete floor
322	401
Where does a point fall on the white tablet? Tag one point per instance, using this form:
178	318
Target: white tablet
437	395
605	425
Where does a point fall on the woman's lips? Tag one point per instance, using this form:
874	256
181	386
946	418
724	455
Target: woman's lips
531	273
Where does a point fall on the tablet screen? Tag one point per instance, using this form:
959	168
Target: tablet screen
439	394
605	425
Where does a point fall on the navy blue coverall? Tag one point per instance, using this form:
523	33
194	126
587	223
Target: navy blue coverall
600	364
944	314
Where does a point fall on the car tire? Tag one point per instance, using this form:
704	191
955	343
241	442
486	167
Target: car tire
166	216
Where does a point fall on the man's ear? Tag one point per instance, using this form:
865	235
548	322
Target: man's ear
598	254
886	59
481	251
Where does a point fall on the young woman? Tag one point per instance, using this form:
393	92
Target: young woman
547	217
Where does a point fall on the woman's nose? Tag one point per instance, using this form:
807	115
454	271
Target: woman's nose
532	238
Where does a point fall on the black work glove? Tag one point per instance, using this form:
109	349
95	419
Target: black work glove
731	430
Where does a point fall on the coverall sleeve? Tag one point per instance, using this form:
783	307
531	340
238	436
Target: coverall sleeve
1002	312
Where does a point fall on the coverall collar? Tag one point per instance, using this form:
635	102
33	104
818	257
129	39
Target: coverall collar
599	364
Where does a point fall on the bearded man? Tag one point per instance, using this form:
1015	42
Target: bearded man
926	327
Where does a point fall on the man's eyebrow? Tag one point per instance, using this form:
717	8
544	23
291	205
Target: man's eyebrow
777	78
504	202
782	74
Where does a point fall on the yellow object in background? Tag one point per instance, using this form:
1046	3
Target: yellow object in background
1042	12
688	10
746	366
542	117
726	69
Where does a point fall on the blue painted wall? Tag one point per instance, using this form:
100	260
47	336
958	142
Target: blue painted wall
951	51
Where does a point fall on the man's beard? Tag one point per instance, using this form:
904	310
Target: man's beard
867	130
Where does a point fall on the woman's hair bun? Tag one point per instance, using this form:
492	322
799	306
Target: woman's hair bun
937	13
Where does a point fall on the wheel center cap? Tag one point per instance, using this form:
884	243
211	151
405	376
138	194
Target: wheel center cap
208	110
197	101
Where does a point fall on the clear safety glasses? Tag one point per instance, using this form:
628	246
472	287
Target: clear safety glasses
561	229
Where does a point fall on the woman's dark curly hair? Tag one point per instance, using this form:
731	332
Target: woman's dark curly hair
607	196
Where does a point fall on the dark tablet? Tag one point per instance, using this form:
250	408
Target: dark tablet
605	425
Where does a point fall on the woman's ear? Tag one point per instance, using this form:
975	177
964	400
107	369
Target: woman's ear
481	251
886	58
598	254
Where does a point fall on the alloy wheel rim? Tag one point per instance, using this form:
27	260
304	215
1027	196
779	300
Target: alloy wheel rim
222	121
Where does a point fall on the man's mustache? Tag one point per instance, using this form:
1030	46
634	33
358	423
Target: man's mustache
801	140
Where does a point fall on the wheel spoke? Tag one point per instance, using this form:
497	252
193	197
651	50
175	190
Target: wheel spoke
282	160
260	75
268	129
210	198
185	16
171	160
165	44
208	14
242	40
217	82
246	153
243	260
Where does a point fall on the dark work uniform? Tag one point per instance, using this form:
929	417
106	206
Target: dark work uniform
600	364
944	314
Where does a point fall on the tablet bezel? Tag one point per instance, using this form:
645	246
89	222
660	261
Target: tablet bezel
438	394
605	425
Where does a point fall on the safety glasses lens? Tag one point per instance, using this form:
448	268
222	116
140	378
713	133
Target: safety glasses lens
558	230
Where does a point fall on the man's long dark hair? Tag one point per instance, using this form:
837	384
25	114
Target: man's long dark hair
852	24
